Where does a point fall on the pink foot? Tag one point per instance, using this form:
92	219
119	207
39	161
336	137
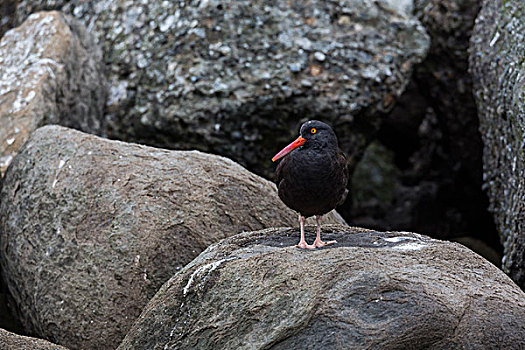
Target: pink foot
305	245
319	243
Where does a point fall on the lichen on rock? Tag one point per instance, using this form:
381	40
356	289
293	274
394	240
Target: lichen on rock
497	65
91	228
233	77
51	73
384	290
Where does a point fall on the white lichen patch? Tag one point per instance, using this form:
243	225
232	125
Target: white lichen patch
203	270
26	61
61	164
5	161
409	246
118	92
398	239
494	39
408	243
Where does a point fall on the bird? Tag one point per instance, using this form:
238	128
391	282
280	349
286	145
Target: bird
312	176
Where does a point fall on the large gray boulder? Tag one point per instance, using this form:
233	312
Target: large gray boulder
91	228
11	341
237	77
373	290
496	62
51	72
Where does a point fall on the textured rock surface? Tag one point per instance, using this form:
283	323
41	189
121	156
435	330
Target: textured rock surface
371	290
11	341
498	70
433	134
184	73
91	228
50	73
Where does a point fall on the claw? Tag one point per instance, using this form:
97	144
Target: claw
305	245
319	243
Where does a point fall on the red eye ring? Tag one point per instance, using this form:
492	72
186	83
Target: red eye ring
313	130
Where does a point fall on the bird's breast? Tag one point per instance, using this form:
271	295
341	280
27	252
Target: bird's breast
312	184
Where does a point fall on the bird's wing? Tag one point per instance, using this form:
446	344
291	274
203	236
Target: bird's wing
279	172
343	160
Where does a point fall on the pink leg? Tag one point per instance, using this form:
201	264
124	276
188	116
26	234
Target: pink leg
302	242
318	243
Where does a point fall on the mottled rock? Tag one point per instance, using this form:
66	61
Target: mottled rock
51	72
497	65
91	228
11	341
237	77
373	290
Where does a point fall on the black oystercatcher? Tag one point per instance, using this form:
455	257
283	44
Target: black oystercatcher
312	178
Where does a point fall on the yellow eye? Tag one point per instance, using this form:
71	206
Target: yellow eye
313	130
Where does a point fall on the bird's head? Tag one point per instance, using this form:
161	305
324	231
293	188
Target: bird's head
313	134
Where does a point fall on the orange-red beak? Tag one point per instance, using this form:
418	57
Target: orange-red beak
297	143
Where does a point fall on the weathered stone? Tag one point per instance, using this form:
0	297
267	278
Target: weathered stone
91	228
373	290
497	65
11	341
237	77
51	72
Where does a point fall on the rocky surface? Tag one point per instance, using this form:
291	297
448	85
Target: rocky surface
51	73
238	77
384	290
91	228
498	70
428	156
11	341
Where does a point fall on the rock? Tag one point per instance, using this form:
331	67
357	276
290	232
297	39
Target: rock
433	133
496	64
11	341
481	248
52	73
7	15
383	290
238	77
91	228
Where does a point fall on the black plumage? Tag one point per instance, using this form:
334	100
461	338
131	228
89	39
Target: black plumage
312	177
